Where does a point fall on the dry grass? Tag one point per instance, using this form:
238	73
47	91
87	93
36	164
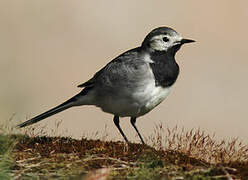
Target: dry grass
200	145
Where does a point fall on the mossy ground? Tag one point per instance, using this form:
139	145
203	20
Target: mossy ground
172	154
66	158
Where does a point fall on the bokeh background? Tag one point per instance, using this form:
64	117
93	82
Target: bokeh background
48	47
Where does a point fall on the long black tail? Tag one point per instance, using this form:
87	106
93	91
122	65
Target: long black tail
69	103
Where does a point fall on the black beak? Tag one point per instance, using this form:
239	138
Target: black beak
183	41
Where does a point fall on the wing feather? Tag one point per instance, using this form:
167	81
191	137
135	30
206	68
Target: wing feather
113	68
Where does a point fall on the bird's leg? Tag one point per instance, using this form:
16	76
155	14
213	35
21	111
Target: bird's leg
133	121
117	124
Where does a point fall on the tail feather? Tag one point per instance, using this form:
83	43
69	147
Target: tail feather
79	99
49	113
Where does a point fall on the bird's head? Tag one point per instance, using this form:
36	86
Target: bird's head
164	39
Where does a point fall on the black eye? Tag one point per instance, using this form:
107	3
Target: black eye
165	39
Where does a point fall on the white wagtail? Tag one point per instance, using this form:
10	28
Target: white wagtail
133	83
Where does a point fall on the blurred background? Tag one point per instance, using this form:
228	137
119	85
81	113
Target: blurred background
48	47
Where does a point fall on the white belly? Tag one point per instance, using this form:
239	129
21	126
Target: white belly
153	97
139	103
158	95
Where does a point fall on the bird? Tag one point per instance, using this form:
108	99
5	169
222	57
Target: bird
133	83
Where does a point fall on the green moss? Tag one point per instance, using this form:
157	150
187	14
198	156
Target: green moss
6	161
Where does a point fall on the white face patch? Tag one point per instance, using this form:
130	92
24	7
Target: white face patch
157	43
